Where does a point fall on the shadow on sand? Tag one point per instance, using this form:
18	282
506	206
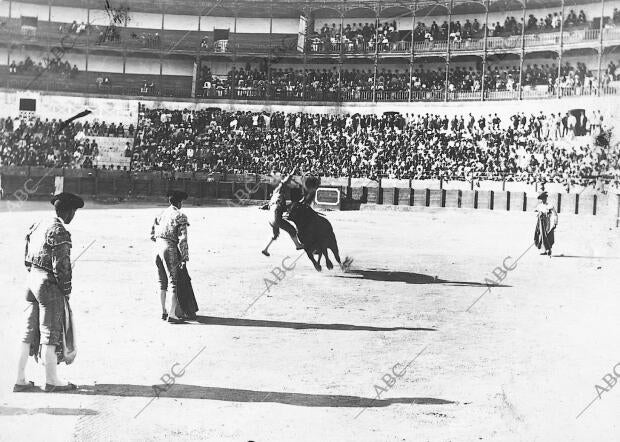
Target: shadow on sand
408	278
238	322
14	411
182	391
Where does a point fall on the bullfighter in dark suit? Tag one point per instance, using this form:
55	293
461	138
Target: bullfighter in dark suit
547	221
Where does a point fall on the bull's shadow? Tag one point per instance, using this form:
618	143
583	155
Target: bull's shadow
408	278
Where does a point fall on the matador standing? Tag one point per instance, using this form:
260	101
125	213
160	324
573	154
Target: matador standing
49	331
169	232
547	221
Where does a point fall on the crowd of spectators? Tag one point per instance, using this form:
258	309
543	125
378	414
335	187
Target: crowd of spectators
74	28
531	148
327	83
39	142
358	37
355	37
103	82
148	40
109	34
148	88
53	65
559	148
553	22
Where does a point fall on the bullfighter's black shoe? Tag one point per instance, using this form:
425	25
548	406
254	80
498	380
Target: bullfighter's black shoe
25	388
49	388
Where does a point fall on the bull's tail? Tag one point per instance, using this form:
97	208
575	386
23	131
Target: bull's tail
334	249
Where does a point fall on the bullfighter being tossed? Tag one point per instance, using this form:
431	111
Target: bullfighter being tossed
277	207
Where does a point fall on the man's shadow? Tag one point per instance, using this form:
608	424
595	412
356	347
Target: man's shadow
183	391
408	278
239	322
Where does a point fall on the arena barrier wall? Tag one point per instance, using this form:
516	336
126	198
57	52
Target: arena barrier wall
468	199
405	197
452	198
484	199
421	197
389	195
19	184
516	201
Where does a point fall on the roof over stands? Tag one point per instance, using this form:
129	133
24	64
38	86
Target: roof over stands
324	8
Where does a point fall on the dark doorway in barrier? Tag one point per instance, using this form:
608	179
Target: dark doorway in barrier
581	127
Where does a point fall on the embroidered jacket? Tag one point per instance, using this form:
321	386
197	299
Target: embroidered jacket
549	212
48	246
171	225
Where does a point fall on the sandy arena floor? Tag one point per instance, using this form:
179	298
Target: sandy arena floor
305	361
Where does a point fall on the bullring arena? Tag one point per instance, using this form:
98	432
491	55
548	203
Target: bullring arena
435	131
302	363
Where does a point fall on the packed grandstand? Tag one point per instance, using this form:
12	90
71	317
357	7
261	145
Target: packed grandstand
564	148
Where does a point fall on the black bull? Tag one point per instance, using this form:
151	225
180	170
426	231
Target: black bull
316	234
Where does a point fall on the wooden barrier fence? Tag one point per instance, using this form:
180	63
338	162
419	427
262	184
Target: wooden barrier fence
23	183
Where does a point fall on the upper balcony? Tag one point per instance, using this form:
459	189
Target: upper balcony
547	41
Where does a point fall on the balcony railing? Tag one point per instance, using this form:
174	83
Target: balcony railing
287	95
498	43
328	96
430	46
355	96
434	95
332	48
249	94
391	95
533	93
580	36
396	47
612	34
545	39
467	45
501	95
464	96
